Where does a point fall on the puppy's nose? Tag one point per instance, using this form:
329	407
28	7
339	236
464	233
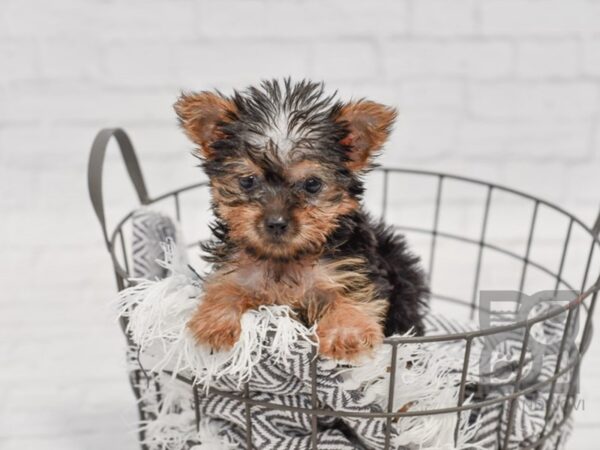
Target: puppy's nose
276	225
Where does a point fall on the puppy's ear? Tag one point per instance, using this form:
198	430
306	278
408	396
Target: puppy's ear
369	125
200	115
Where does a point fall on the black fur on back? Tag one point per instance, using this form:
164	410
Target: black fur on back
395	271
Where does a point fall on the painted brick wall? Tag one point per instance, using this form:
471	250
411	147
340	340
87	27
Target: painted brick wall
504	90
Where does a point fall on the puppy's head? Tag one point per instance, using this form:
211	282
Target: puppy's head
284	161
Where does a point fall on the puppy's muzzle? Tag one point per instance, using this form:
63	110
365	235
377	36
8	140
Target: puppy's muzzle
276	226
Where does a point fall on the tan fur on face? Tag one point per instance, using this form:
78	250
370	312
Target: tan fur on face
240	219
304	169
314	221
319	217
319	220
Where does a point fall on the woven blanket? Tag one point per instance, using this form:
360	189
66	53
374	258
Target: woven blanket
274	355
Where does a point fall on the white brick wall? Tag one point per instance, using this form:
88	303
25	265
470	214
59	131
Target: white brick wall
505	90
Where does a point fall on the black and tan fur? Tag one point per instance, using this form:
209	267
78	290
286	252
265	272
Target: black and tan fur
285	163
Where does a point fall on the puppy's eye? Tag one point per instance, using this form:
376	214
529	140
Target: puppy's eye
312	185
247	183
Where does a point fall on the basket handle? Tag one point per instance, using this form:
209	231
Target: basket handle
596	228
96	166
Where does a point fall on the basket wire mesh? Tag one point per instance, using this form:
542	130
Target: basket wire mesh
579	309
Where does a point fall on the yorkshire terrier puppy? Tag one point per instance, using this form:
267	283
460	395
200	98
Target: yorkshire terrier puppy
285	163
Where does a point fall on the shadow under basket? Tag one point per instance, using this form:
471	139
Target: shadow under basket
493	256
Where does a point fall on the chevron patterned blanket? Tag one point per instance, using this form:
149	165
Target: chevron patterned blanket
274	356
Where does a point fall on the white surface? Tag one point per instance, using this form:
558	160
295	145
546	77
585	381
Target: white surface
505	90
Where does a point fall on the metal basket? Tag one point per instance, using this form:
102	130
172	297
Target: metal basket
584	282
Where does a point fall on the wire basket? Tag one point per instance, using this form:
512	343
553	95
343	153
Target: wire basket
575	269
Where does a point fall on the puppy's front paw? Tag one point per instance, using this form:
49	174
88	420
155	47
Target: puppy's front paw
348	338
217	328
